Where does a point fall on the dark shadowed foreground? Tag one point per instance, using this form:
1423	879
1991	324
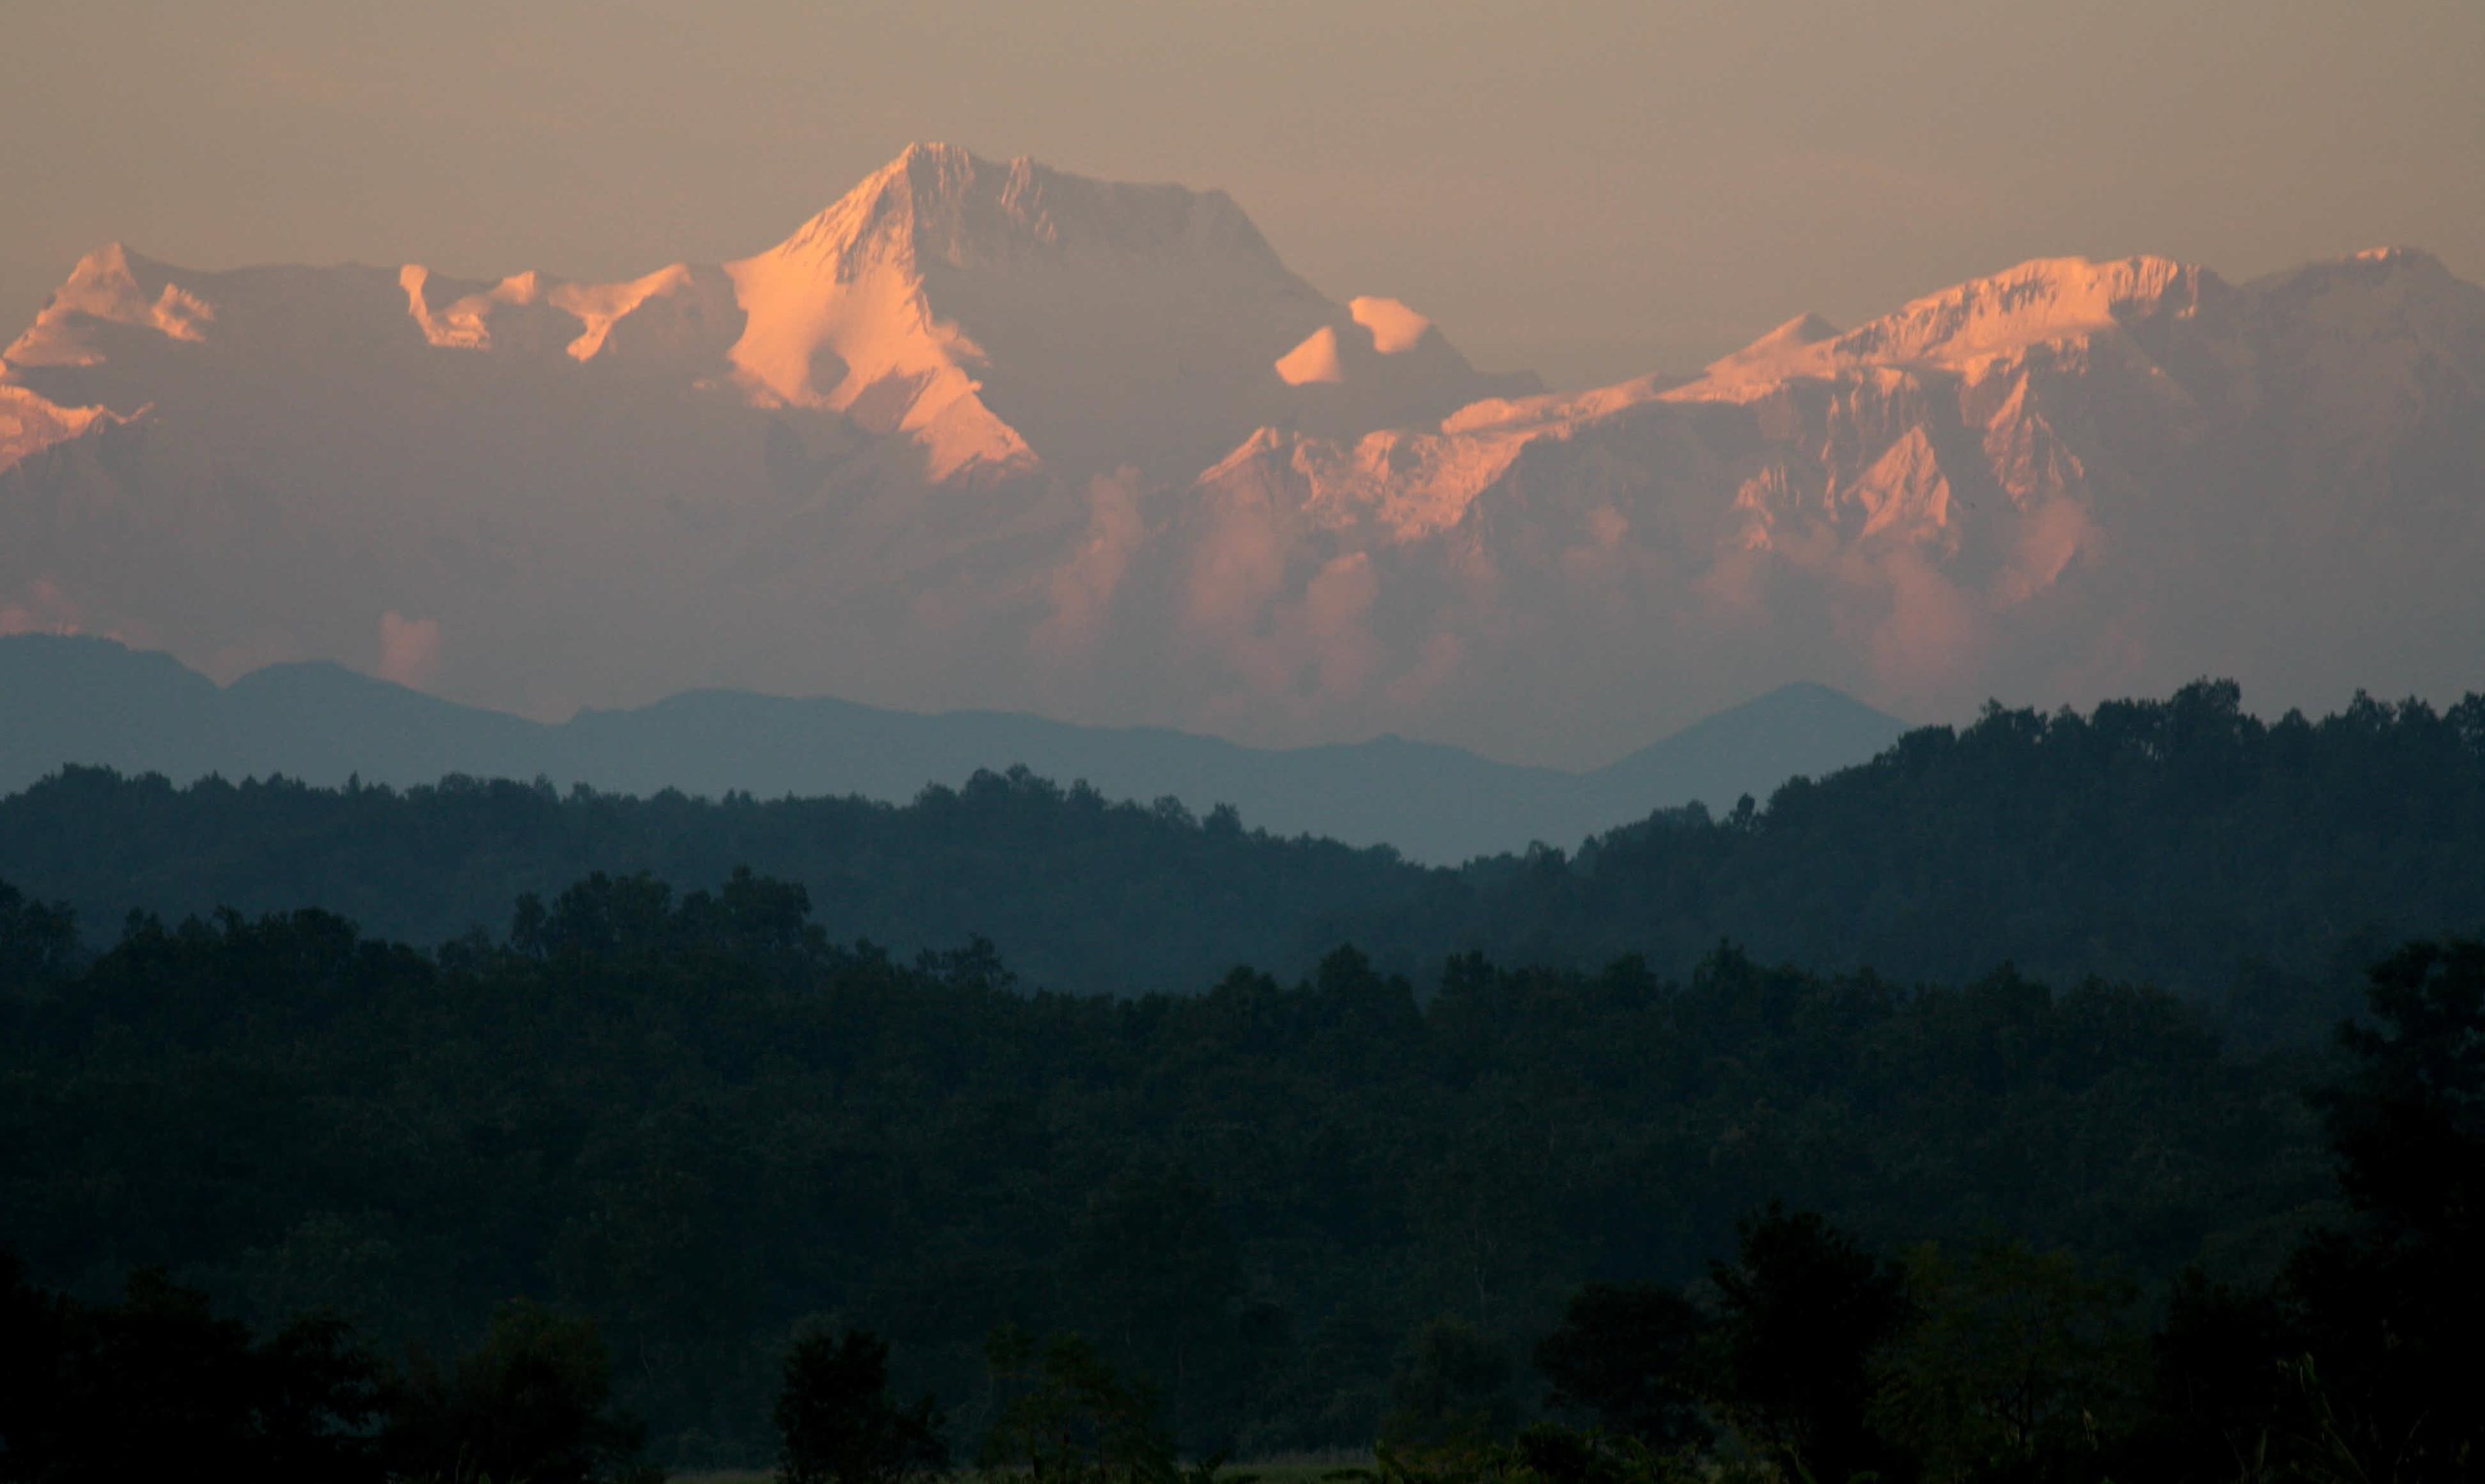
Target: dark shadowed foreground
1284	1217
700	1121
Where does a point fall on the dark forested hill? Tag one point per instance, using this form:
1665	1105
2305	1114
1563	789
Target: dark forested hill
1081	895
2183	843
696	1117
2252	866
698	1121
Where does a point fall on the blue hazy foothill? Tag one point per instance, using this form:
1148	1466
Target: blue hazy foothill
66	700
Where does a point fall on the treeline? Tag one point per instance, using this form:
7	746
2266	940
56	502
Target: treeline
1797	1353
1806	1355
701	1122
155	1384
2252	868
1087	896
2255	866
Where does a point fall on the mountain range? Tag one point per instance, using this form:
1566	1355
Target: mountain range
78	701
995	435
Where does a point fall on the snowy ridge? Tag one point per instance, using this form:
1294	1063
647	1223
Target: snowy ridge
1979	465
997	318
1866	419
109	287
985	433
679	315
31	425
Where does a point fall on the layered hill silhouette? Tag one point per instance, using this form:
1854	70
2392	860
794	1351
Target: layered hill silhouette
2256	866
993	435
75	701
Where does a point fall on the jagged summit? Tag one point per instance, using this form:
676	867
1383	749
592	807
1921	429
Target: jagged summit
2402	270
1781	352
990	432
1966	467
2036	302
2400	256
967	320
111	285
939	203
1806	328
1011	314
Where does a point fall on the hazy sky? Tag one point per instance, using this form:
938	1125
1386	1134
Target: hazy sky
1591	189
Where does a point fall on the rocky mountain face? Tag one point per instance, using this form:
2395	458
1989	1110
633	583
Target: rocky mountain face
2067	479
988	434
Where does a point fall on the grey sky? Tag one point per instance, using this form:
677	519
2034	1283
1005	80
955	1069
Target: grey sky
1592	189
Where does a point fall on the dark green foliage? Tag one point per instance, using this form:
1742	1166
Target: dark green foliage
1560	1455
2256	866
836	1423
2018	1364
1803	1312
1542	1452
1627	1358
1453	1389
1164	1287
2409	1125
1067	1417
532	1401
695	1118
38	942
698	1117
2251	867
158	1387
2357	1360
1082	894
2218	1380
1810	1356
2391	1304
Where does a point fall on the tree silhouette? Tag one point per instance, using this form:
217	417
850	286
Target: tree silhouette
838	1424
1627	1357
159	1386
1070	1419
532	1401
1453	1389
1803	1313
2391	1306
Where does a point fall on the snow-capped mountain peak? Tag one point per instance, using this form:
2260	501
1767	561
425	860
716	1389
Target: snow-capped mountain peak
2034	302
1011	314
997	318
939	205
1187	476
111	285
2043	302
2014	446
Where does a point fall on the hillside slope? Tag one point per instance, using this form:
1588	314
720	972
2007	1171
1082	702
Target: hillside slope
2249	864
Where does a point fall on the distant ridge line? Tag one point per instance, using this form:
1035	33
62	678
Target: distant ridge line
76	699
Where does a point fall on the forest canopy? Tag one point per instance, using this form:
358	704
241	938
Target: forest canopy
699	1120
2254	867
447	1121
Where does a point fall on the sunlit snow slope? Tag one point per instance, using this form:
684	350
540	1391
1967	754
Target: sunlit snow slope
993	434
